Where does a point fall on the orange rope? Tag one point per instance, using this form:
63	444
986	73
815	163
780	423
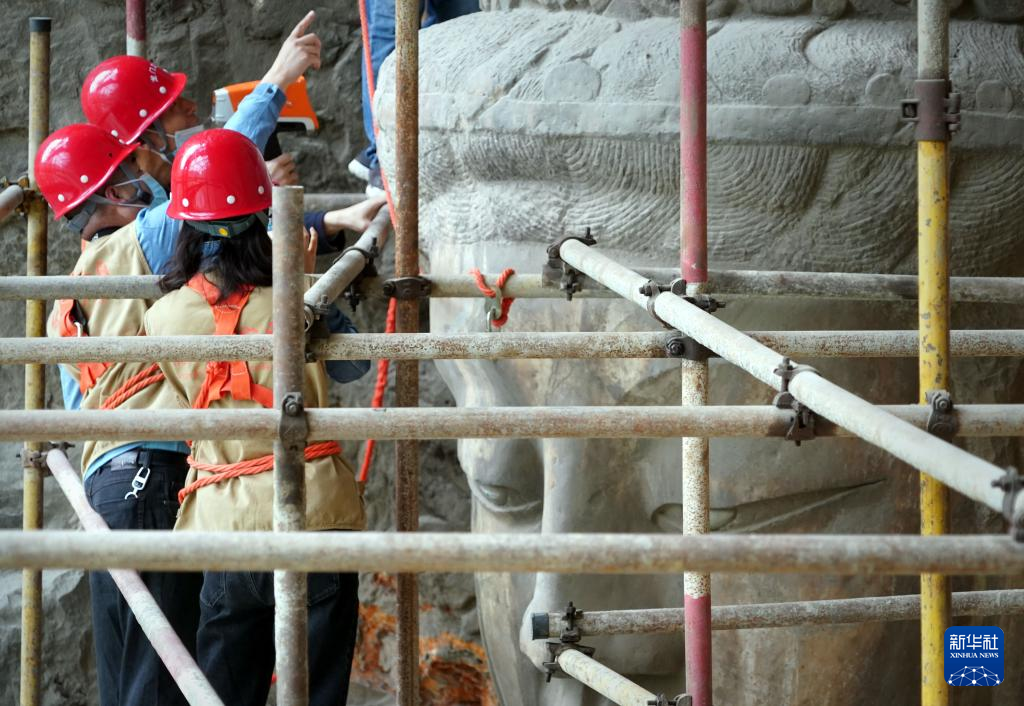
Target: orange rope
250	467
378	393
136	383
506	302
383	364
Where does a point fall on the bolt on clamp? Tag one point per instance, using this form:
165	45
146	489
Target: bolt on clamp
569	639
352	294
801	423
942	420
557	272
37	459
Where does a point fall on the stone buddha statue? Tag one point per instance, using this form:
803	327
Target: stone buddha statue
542	118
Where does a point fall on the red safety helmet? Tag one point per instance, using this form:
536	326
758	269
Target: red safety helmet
74	162
218	174
125	94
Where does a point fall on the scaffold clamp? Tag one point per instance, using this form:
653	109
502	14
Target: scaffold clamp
37	458
352	294
569	639
557	272
680	346
934	110
941	418
293	429
406	287
1012	483
652	289
662	700
801	423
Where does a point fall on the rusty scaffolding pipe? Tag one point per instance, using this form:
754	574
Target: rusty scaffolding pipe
35	374
465	552
175	656
717	421
693	236
430	346
738	283
958	469
290	629
610	684
407	320
135	27
841	611
346	268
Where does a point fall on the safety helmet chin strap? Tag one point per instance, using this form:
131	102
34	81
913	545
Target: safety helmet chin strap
164	151
140	199
231	227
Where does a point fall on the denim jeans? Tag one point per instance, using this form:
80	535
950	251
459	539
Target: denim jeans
236	635
380	16
128	669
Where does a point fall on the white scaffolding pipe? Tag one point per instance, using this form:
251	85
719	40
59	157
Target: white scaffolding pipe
610	684
958	469
168	646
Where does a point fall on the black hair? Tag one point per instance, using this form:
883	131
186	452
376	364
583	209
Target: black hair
244	259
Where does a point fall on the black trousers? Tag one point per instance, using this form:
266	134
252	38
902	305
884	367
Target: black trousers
128	669
236	635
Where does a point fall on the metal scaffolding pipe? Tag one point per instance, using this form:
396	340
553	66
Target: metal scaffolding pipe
855	286
168	646
135	27
933	321
35	374
10	198
960	470
432	346
693	236
407	320
331	202
610	684
290	617
717	421
346	268
840	611
466	552
739	283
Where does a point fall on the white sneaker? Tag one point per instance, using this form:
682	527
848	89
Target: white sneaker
359	170
373	191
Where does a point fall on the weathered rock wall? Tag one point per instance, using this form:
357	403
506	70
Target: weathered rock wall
219	42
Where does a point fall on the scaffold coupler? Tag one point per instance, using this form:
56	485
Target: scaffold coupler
569	639
801	423
556	272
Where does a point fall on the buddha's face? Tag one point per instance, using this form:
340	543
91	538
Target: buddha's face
535	124
553	486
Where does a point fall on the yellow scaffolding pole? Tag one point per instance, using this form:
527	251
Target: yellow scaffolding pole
35	391
933	367
935	112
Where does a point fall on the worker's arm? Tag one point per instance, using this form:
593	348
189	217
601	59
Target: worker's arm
255	118
344	370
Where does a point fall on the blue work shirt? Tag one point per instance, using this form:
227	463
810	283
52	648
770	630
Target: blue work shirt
157	232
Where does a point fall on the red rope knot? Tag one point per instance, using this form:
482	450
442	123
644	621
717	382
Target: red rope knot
497	316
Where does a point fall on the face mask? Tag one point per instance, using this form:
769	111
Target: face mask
155	188
180	138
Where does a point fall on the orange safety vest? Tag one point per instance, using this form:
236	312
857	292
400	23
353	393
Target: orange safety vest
234	378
